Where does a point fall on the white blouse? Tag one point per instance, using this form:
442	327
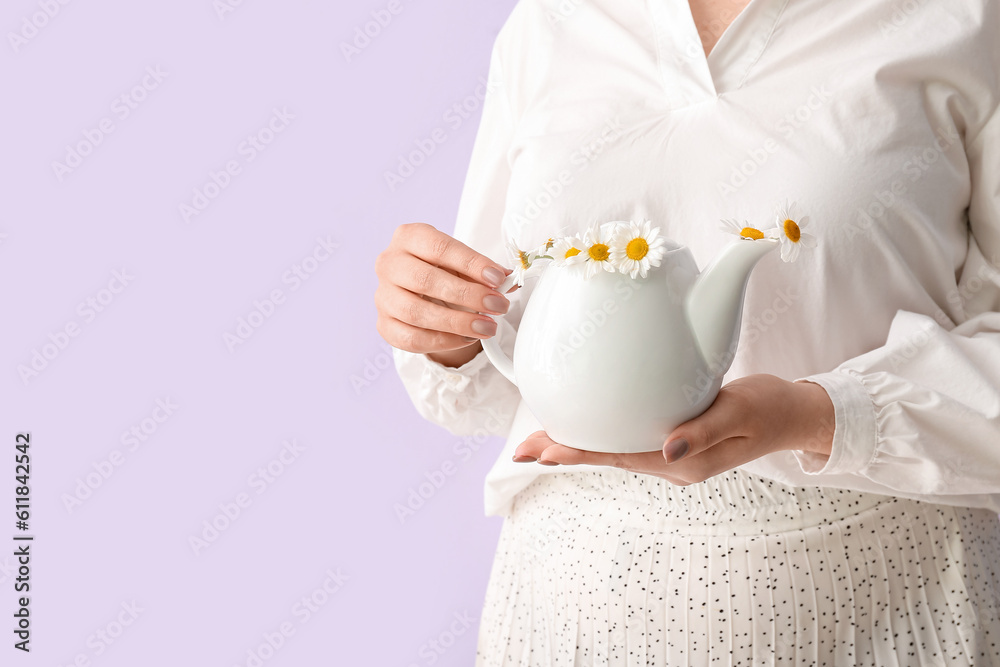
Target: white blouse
878	119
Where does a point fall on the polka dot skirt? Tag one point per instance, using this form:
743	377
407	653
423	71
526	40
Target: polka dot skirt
612	568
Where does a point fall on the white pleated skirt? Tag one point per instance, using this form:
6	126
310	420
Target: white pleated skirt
612	568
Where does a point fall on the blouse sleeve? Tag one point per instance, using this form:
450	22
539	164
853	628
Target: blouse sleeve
921	414
475	397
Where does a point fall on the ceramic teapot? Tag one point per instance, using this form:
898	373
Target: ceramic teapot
612	363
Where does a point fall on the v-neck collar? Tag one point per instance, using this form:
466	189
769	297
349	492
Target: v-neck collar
689	76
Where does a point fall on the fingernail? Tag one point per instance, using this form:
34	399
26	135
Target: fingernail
521	458
675	450
493	276
485	327
548	463
495	303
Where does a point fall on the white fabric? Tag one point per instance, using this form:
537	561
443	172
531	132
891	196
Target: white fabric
879	119
620	569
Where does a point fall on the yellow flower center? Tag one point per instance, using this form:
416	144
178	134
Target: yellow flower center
792	231
549	244
572	252
598	252
637	248
751	233
525	260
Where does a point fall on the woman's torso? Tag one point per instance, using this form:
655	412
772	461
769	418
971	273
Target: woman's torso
857	112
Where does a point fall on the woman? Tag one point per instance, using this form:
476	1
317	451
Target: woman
838	502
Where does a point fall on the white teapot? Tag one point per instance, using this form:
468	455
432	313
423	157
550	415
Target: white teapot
611	363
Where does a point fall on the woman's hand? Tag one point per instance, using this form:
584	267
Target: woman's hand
752	416
431	291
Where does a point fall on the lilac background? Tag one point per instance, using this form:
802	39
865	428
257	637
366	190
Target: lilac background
362	446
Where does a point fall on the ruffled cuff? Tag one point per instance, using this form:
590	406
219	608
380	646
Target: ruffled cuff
462	400
456	379
855	433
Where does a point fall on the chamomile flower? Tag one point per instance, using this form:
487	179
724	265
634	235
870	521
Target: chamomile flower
635	248
790	230
568	250
597	246
744	230
525	263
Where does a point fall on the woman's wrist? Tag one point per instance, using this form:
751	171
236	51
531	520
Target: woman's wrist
456	358
818	428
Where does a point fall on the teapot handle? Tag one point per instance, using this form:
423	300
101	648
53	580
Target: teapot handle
496	355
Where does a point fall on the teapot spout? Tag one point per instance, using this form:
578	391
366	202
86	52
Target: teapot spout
714	305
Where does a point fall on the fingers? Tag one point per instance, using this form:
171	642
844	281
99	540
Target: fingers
731	415
432	289
419	277
396	303
534	445
415	339
638	462
719	458
440	249
539	447
747	418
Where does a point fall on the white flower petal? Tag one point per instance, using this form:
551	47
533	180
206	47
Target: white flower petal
730	226
562	246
